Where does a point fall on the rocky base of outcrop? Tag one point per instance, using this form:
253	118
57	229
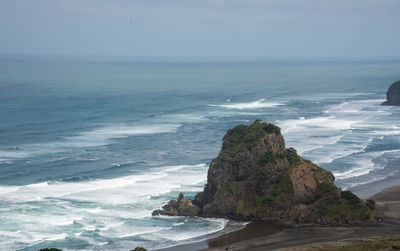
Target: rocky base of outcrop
255	177
180	207
393	95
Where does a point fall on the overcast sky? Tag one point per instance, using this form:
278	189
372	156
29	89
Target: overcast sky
215	29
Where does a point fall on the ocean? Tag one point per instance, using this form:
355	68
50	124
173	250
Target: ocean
89	148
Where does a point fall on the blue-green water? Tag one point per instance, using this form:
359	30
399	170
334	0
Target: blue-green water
88	149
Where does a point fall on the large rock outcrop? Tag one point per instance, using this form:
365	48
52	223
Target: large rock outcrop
256	177
393	94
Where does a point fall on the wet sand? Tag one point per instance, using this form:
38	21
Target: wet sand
388	203
368	190
251	231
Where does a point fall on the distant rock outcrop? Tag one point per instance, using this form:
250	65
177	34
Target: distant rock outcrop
393	94
256	177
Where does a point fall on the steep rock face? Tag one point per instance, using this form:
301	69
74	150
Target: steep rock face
256	177
393	94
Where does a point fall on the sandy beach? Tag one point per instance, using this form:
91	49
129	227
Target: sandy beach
368	190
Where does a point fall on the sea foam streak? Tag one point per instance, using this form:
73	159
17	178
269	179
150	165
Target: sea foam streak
166	179
193	230
96	137
346	130
364	164
251	105
89	207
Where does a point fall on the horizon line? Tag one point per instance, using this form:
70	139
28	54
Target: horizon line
187	59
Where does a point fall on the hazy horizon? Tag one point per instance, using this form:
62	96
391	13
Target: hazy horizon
236	30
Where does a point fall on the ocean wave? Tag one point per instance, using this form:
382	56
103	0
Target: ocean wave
318	143
96	137
336	151
127	231
216	225
26	239
364	164
185	118
89	206
112	190
325	122
232	113
375	179
346	133
184	234
249	105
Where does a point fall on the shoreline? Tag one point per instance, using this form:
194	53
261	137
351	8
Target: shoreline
264	235
368	190
250	231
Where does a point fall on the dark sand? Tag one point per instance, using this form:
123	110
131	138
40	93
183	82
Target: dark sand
388	203
266	236
368	190
308	235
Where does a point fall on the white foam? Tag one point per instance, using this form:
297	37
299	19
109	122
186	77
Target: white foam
209	226
232	113
354	172
97	137
114	191
186	118
56	237
126	231
34	238
326	123
344	133
386	132
318	143
93	210
43	184
250	105
134	195
371	181
180	167
124	131
6	155
8	189
363	165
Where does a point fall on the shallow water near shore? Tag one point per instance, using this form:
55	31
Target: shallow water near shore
89	148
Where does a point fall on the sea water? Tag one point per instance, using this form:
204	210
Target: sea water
88	149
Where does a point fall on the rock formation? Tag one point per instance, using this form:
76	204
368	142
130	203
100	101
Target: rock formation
256	177
393	94
181	207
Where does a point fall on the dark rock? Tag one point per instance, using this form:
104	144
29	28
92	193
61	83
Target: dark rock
182	207
50	249
139	249
255	177
393	94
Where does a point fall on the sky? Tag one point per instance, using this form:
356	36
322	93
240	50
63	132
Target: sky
202	29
